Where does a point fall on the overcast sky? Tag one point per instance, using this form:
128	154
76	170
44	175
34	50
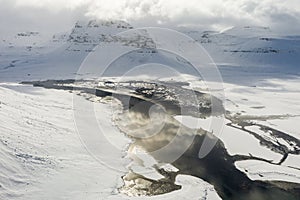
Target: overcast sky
283	16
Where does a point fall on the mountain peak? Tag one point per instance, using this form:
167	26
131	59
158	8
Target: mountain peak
95	23
94	31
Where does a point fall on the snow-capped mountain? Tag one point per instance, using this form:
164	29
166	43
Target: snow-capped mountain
252	46
236	47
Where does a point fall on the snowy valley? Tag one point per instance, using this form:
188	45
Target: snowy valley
44	157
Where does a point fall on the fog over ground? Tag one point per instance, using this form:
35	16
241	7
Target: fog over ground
51	16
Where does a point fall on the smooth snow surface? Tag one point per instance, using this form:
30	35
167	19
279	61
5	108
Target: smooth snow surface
42	156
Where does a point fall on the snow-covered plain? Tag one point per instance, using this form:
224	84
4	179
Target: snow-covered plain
42	156
275	104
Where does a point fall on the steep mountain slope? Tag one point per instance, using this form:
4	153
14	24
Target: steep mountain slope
62	55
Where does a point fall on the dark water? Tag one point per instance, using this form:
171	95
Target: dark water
216	168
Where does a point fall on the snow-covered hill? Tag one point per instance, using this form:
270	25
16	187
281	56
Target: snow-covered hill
255	49
28	52
250	46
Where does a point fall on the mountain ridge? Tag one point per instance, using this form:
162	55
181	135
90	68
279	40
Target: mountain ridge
239	46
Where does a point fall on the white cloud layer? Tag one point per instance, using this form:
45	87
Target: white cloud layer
281	16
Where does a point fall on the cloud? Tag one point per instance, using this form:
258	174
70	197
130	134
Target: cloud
53	5
282	16
46	18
